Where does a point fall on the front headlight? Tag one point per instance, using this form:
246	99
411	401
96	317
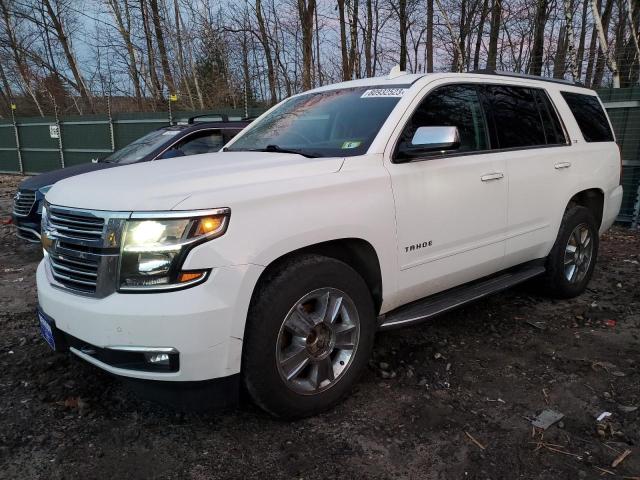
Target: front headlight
155	246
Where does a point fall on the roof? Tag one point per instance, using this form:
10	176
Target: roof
409	79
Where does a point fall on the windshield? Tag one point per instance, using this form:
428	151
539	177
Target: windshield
141	147
325	124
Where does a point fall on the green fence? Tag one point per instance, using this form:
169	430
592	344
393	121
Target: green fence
35	145
623	107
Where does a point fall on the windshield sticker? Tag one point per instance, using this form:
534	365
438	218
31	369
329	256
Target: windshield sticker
171	132
384	92
353	144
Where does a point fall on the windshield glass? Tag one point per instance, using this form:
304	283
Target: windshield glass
141	147
325	124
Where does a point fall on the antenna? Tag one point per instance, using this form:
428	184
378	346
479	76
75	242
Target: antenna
395	72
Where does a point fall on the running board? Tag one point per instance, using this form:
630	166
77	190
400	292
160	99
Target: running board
429	307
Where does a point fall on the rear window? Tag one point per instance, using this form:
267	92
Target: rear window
590	117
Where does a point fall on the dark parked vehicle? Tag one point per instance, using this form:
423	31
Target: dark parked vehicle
180	140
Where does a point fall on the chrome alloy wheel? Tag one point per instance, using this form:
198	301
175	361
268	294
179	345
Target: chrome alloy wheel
317	341
578	254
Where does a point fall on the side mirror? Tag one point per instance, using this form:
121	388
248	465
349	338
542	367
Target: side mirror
430	139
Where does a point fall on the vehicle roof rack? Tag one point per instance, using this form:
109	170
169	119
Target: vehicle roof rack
502	73
223	116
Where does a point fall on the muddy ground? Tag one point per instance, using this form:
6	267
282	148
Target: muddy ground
451	399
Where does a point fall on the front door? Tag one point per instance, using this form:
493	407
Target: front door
451	207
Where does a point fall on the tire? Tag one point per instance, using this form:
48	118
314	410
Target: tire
284	305
556	281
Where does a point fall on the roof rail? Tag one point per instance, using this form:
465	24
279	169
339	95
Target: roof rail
527	77
223	116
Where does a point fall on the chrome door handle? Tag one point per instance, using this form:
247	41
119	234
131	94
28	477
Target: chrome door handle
492	176
561	165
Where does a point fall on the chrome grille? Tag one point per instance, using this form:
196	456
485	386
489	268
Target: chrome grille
75	225
23	202
73	272
82	248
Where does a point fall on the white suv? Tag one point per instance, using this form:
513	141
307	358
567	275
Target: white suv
352	208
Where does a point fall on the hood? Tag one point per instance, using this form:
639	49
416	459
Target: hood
49	178
164	184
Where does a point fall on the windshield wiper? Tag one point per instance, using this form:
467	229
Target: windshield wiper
277	149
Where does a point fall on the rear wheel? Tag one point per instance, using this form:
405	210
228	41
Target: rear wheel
572	259
309	335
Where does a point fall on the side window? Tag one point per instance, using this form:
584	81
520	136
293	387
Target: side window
202	142
590	117
456	106
516	117
552	127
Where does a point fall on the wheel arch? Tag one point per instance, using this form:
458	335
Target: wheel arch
358	253
592	199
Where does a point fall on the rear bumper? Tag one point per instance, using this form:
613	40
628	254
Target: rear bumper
611	208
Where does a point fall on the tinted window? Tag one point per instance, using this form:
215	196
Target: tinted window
142	147
590	117
452	105
516	116
202	142
552	127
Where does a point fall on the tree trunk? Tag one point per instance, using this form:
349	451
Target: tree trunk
494	33
429	45
156	88
346	73
354	64
125	33
306	10
264	40
583	37
602	28
483	19
69	55
368	37
560	60
570	47
402	18
162	48
537	50
319	79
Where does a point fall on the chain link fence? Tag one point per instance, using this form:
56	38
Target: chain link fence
34	145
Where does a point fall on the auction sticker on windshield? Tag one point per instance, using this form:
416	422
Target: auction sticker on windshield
383	92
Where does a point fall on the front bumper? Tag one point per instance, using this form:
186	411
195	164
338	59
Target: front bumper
204	324
28	228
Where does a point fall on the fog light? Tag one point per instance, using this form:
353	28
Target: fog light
157	358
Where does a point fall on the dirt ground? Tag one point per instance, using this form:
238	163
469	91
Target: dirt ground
451	399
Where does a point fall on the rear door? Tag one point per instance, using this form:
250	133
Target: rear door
530	138
451	207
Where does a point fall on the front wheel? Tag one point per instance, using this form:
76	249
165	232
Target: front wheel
573	257
309	335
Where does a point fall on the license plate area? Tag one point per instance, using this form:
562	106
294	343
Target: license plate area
47	331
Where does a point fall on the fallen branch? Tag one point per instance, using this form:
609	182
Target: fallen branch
620	458
482	447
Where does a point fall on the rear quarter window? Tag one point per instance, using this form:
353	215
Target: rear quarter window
590	117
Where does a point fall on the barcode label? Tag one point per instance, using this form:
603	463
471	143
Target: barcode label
384	92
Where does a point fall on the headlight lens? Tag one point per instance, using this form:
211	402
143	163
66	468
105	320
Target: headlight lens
154	249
